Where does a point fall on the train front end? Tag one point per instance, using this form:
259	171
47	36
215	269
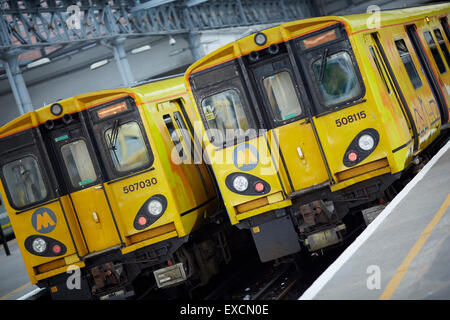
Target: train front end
88	186
300	131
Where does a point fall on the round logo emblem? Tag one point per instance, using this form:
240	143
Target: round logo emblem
43	220
245	157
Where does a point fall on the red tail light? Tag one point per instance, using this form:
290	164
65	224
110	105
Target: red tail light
142	221
56	248
352	156
259	187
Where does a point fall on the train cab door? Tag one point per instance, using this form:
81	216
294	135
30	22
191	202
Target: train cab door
84	184
288	116
126	155
195	154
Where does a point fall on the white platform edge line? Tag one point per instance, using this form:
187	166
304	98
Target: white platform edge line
30	294
320	282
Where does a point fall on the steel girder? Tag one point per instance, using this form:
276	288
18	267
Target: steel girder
31	24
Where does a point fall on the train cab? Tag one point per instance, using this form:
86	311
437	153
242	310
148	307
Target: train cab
309	119
93	191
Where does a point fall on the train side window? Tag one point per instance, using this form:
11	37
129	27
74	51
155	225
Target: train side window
224	112
174	135
380	71
127	146
24	181
444	23
336	77
443	45
282	97
180	122
185	133
435	52
408	63
78	163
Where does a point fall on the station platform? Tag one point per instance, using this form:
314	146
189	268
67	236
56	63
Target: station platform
405	252
14	281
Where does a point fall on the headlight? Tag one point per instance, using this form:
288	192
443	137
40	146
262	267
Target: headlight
39	245
366	142
155	207
260	39
240	183
56	109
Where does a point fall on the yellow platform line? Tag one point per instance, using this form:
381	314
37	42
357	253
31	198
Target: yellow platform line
401	271
14	291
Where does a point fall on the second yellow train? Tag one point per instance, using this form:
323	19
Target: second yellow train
312	119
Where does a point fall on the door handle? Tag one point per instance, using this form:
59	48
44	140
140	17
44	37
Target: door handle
300	153
98	187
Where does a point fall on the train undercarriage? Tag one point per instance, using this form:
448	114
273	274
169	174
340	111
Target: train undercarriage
177	264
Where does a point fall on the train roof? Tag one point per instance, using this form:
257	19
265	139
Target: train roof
358	22
149	92
355	23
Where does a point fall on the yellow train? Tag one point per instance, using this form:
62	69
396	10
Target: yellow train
306	120
301	123
100	195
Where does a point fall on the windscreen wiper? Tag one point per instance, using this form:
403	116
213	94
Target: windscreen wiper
113	136
113	139
323	64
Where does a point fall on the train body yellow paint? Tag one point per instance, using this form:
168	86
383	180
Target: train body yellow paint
335	109
91	182
303	123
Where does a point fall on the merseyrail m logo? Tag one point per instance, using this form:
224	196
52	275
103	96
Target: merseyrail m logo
245	157
43	220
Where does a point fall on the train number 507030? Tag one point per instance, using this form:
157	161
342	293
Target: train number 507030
139	185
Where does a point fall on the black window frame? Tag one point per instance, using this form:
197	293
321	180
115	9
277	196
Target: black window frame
446	27
306	58
380	70
20	145
66	173
278	123
443	45
236	83
259	82
179	120
225	143
404	65
179	145
438	61
100	126
75	130
45	181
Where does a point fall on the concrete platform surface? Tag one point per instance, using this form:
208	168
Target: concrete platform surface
405	252
14	280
